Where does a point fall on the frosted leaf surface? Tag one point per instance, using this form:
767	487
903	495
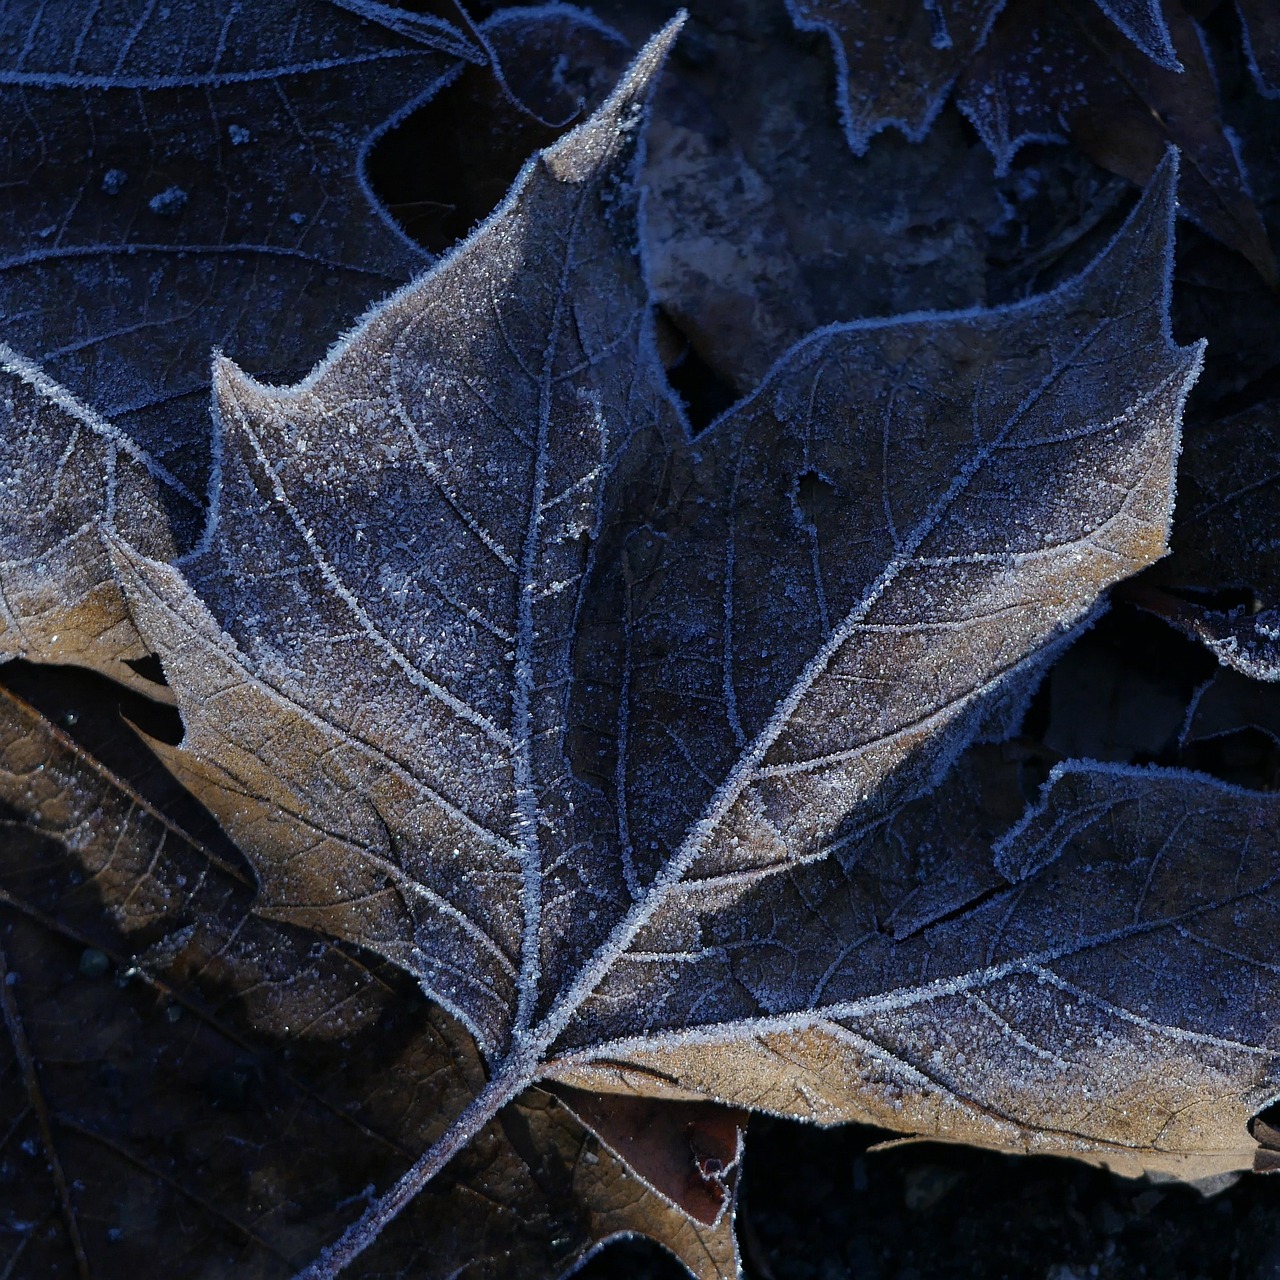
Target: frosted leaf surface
1059	71
189	176
1118	79
1248	642
1110	997
490	668
813	620
65	477
896	63
1143	21
399	558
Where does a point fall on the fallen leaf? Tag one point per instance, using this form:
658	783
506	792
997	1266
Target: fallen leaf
200	1087
1247	640
1132	899
65	476
1261	24
895	64
1229	505
1119	79
190	176
490	669
605	736
1228	703
1058	71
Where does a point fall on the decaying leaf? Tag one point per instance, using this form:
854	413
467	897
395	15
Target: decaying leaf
65	476
1121	81
167	1075
1057	70
489	669
1246	639
193	167
1229	505
897	63
1262	43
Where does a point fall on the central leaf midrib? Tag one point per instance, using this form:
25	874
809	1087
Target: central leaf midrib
528	811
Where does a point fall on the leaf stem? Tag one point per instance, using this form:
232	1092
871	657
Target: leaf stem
511	1079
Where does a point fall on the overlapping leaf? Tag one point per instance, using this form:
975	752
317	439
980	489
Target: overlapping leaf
141	228
184	177
1226	539
1120	81
1057	70
146	1020
490	669
66	476
897	63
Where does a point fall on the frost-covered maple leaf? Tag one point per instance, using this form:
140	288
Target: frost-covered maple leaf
590	726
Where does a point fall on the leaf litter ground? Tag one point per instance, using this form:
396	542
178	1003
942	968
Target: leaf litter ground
807	506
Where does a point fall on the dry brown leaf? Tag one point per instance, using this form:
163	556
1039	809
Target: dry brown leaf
65	476
238	1082
507	680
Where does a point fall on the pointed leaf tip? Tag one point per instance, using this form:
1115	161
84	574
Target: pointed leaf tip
236	397
581	151
640	75
1164	181
1146	28
1143	247
229	380
1161	191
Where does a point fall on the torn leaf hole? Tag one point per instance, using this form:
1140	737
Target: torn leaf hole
814	499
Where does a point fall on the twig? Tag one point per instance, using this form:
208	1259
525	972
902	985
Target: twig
35	1096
